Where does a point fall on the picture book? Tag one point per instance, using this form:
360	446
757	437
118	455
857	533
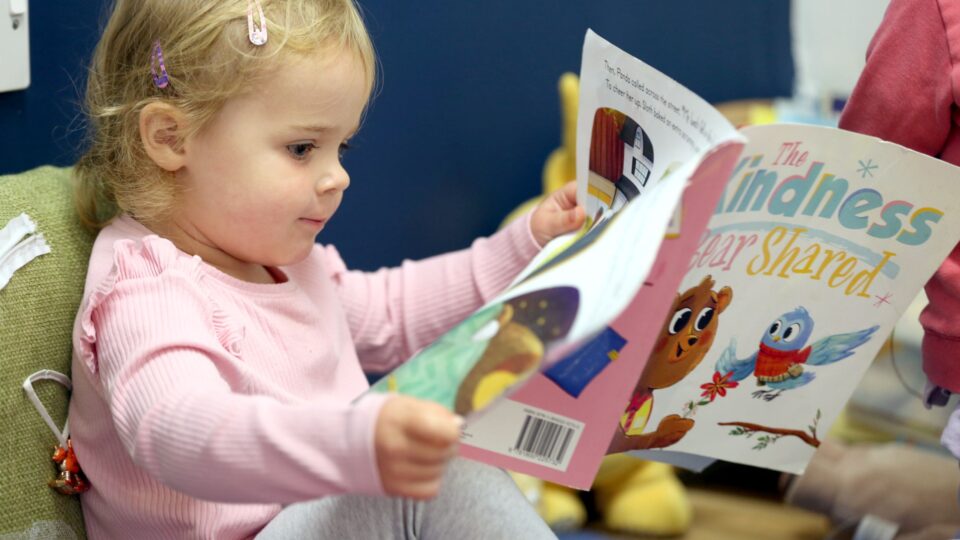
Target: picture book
730	289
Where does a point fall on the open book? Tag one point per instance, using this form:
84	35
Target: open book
728	293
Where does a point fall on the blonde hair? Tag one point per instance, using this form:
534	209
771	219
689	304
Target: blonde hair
209	59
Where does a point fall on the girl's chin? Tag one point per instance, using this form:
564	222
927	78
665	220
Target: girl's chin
292	249
298	255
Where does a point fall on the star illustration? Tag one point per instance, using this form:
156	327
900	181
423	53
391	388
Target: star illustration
885	299
866	168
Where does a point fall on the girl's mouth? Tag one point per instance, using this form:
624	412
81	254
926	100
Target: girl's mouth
314	222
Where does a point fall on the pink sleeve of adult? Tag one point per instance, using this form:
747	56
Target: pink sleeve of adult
164	364
394	312
905	93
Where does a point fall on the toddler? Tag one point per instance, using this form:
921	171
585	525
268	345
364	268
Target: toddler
908	94
218	351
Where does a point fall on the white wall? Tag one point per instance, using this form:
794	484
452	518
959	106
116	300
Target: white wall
830	40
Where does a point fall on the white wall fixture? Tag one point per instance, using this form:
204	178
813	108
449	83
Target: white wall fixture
14	45
830	41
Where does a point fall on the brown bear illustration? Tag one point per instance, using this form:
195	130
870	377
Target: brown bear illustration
684	340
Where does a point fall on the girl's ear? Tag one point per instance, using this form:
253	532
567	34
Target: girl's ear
162	132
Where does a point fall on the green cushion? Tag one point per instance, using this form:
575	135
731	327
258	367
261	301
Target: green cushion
37	309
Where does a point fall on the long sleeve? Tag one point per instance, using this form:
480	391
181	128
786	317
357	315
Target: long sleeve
180	398
908	94
905	92
392	313
202	403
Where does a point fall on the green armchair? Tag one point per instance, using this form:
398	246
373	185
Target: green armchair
37	309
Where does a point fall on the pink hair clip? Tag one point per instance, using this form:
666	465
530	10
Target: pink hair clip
161	80
258	34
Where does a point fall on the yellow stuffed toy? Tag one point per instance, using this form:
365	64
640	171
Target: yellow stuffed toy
632	495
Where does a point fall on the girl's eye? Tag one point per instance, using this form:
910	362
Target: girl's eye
300	151
343	149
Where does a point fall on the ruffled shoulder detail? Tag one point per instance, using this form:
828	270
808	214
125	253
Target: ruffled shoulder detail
148	258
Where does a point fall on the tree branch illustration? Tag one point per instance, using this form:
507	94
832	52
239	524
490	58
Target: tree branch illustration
749	429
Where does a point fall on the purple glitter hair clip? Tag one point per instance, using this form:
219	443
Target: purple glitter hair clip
258	34
161	80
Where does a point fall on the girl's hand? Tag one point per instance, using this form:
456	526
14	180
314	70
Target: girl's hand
557	214
414	440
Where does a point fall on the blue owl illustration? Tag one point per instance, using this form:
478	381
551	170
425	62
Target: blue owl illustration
784	351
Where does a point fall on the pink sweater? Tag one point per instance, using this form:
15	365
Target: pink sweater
909	93
203	403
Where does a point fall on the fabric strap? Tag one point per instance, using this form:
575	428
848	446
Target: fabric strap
14	230
47	374
14	252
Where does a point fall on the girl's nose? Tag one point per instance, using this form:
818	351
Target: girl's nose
334	181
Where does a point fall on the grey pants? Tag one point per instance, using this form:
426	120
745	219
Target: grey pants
476	501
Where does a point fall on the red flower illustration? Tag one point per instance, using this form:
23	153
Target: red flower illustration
718	386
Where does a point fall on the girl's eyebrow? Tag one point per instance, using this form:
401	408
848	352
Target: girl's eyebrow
324	129
318	129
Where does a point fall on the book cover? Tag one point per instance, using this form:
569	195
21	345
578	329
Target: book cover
729	293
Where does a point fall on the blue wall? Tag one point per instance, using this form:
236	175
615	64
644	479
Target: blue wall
468	109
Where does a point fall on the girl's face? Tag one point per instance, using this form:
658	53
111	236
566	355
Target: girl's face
264	177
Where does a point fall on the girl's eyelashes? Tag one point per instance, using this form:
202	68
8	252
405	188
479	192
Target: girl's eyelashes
301	151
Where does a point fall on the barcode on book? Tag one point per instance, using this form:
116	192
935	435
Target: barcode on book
544	440
526	433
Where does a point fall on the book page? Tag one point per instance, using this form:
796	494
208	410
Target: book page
560	304
558	426
635	125
820	242
780	279
580	283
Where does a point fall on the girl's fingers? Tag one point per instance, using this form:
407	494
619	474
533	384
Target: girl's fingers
429	455
567	221
413	473
569	192
576	216
435	426
557	215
